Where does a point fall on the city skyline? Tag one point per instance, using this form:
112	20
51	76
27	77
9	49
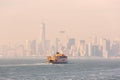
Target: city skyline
95	47
21	19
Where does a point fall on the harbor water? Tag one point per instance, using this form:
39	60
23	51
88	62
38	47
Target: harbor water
76	69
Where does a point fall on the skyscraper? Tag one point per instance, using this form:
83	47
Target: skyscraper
89	49
105	47
43	34
82	48
43	45
33	47
27	47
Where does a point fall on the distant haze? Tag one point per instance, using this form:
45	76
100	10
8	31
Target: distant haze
21	19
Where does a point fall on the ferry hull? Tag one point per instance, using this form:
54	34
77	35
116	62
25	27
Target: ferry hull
59	62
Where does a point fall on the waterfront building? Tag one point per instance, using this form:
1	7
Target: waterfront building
115	49
105	47
71	47
33	47
27	47
89	49
82	48
71	42
19	51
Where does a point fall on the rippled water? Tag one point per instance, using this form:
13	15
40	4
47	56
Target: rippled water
76	69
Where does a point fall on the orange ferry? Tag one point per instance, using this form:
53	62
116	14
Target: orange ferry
58	58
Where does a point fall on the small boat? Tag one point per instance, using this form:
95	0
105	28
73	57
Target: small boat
58	58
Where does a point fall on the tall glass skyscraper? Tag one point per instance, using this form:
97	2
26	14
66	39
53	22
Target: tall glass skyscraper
43	39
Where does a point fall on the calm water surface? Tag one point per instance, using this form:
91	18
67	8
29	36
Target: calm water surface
76	69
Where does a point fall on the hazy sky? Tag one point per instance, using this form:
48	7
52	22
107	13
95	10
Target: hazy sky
21	19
